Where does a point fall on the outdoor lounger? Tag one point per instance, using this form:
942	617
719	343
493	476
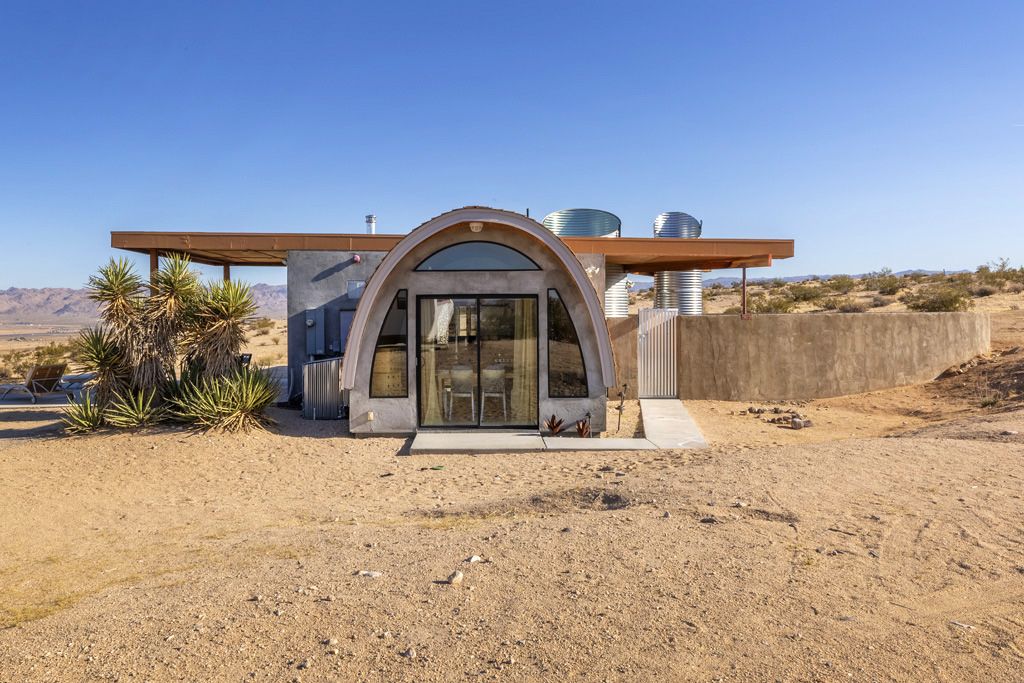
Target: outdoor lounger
41	379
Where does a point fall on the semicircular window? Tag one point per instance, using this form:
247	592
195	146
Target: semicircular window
477	256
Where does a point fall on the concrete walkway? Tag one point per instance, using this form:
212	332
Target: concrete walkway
667	424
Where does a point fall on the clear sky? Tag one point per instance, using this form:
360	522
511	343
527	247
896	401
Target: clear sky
874	134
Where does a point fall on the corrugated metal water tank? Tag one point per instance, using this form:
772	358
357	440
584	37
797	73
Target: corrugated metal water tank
681	290
595	223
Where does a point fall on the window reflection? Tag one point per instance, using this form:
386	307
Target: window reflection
388	376
567	376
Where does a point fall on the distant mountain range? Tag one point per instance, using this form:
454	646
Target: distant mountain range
641	282
62	305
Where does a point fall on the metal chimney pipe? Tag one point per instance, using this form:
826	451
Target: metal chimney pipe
371	224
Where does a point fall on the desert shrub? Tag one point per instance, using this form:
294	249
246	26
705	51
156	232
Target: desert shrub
884	282
802	292
853	306
844	304
761	303
879	301
233	402
132	410
216	332
938	298
980	291
98	353
776	283
82	416
841	284
261	327
1015	287
732	310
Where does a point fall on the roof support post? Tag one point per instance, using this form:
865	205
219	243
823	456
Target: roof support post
743	300
227	272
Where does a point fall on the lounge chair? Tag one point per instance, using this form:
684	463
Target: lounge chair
41	379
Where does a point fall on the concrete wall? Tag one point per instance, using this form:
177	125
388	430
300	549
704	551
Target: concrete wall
319	278
623	333
801	356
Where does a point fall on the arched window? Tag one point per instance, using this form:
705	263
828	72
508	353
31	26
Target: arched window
477	256
388	376
567	375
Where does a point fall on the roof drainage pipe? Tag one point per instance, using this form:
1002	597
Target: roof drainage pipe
596	223
682	290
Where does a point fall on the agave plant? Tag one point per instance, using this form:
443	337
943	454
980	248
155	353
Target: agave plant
132	410
98	353
82	416
232	402
216	332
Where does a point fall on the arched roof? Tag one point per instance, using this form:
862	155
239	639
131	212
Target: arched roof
371	294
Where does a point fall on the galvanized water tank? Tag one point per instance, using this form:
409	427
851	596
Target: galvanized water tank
681	290
596	223
583	223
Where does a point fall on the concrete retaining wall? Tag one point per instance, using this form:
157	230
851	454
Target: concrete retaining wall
800	356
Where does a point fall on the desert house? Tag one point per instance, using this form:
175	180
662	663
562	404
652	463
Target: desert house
478	318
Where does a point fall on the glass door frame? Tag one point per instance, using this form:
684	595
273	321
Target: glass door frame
479	331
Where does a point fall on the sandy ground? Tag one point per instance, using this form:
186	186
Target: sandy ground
173	556
886	543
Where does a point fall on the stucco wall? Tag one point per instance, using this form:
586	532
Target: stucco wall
819	355
623	333
319	278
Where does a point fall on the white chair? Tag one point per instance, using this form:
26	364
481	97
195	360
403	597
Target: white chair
492	383
463	386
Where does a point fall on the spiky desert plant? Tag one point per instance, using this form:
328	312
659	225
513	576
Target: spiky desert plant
118	291
82	416
216	332
132	409
175	292
97	352
232	402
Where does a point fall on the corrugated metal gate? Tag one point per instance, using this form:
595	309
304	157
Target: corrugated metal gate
322	398
656	353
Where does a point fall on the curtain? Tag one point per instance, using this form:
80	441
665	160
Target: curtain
430	318
524	363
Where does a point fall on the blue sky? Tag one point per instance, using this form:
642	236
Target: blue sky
874	134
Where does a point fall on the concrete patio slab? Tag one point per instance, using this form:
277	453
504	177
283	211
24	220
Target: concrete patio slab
574	443
480	441
667	424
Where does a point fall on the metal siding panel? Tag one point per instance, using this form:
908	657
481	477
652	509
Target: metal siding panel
322	397
656	353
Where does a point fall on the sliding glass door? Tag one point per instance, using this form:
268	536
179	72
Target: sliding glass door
477	361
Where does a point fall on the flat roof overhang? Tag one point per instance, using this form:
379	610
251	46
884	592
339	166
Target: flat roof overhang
641	255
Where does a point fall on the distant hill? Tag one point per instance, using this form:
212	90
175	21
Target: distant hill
642	283
62	305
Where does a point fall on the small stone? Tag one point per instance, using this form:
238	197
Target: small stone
369	574
666	514
1009	432
409	653
455	578
739	504
473	559
331	641
710	519
278	612
333	651
304	664
256	598
566	530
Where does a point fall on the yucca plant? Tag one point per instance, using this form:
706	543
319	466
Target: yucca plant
118	291
96	351
82	416
216	332
232	402
132	410
175	291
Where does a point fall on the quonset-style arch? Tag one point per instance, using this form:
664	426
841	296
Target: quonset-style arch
371	295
